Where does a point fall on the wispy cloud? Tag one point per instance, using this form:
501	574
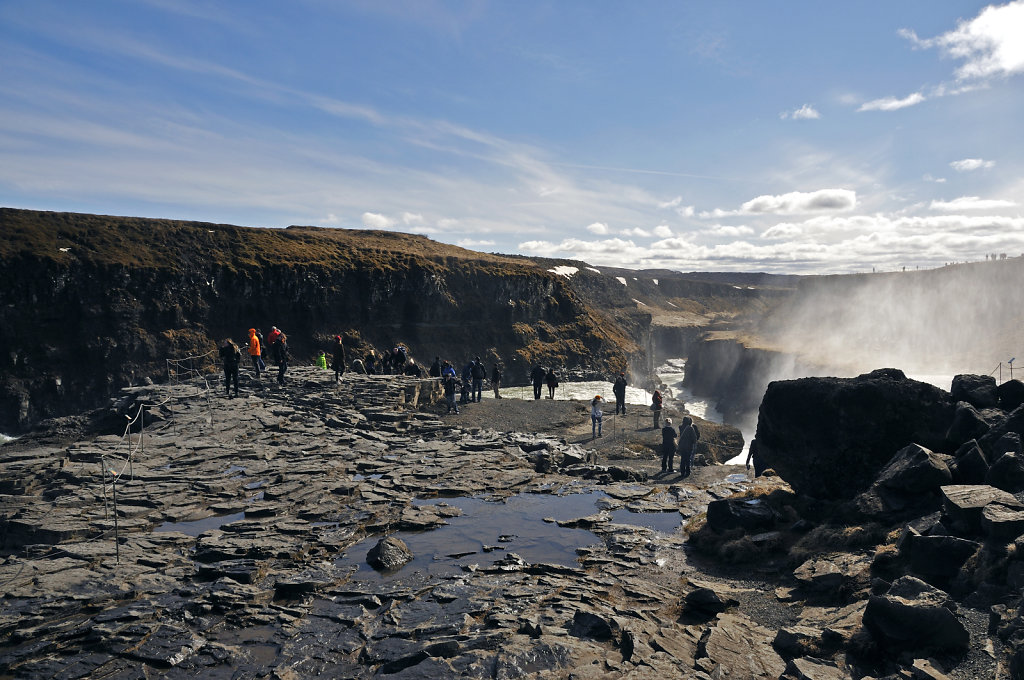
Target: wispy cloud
892	103
971	203
971	164
793	203
805	112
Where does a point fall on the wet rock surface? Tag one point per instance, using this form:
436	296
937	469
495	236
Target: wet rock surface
236	543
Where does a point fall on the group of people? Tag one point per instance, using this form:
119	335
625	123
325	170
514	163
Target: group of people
686	447
541	377
471	384
231	356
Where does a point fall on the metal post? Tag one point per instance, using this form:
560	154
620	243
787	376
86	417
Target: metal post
103	474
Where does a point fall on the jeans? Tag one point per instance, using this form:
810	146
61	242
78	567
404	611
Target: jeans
452	406
478	388
595	426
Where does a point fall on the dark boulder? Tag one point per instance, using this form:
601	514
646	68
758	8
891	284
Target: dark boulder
914	615
1011	394
968	423
1010	423
963	504
1002	522
935	557
745	513
389	553
970	465
1007	473
978	390
914	470
829	437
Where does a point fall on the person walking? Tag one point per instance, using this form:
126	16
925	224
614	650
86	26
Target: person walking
596	415
688	436
255	353
231	357
450	384
552	382
496	380
280	348
435	368
338	360
656	402
619	390
537	376
668	445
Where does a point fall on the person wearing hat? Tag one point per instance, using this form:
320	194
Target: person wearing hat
619	389
668	445
338	363
596	414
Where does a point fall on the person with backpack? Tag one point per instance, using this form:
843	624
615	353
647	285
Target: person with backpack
596	415
688	436
656	404
231	356
450	384
280	348
537	377
479	373
668	445
552	381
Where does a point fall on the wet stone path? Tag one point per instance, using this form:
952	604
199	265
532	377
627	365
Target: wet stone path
243	528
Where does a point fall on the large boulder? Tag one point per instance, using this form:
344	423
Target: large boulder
1011	394
978	390
914	615
829	437
388	554
968	423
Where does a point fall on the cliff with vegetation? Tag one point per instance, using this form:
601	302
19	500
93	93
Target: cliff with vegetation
90	303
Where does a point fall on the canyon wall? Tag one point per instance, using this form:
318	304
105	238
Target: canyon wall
89	304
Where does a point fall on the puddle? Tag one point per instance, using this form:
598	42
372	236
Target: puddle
362	478
489	530
199	526
738	477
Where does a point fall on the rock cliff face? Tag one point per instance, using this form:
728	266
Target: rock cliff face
89	304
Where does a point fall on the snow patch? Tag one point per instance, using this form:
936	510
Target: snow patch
670	304
621	280
656	282
596	271
567	272
639	303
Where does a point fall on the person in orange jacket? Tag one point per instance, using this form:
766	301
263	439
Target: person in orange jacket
254	352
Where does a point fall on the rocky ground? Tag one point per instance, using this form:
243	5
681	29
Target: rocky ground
234	544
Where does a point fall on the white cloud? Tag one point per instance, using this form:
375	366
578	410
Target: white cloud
971	203
473	243
662	231
411	218
796	202
805	112
599	228
636	231
892	103
377	221
990	45
676	204
730	231
969	164
937	180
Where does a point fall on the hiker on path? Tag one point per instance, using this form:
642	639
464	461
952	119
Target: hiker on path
280	348
231	356
256	353
688	436
552	381
596	414
656	408
338	361
496	380
537	377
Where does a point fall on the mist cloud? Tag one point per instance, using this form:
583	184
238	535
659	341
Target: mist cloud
971	164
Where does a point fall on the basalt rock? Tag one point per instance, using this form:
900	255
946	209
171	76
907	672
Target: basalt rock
978	390
829	437
914	615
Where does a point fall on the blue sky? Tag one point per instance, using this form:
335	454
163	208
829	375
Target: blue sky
791	137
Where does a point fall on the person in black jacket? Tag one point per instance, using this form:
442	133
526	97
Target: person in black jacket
230	356
688	436
435	368
479	373
537	376
668	445
338	363
619	390
552	382
280	348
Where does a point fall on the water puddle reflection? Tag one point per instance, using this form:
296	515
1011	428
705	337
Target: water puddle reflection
196	527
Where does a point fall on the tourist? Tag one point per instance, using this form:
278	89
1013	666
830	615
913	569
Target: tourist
754	455
435	368
596	415
321	360
450	384
467	382
273	336
552	382
264	348
656	408
255	352
496	380
338	360
412	369
688	436
280	348
537	376
358	366
668	445
371	363
619	390
478	373
231	356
